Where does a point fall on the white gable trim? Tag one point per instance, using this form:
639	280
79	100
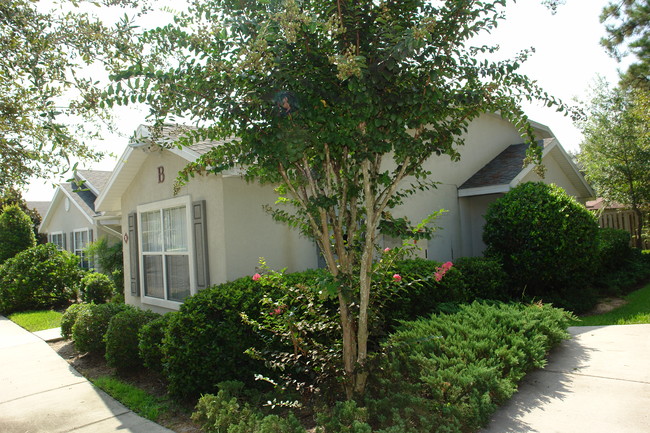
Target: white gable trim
483	190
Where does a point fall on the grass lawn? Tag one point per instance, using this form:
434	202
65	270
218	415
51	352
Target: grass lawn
636	311
136	399
37	320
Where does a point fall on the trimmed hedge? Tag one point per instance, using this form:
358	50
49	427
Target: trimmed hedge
547	243
39	278
150	342
121	338
91	325
70	317
96	288
451	371
16	232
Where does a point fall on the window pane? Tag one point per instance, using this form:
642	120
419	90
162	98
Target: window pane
178	277
175	220
153	276
151	231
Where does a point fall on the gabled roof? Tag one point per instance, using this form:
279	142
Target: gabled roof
40	206
81	192
506	170
143	143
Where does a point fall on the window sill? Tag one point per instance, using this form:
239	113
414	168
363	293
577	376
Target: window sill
163	303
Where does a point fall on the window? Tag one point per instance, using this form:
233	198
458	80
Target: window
58	239
81	239
165	260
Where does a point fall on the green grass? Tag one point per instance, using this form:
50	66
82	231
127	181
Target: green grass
37	320
636	311
139	401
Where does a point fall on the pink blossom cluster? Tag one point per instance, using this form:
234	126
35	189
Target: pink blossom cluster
277	311
257	277
397	277
442	270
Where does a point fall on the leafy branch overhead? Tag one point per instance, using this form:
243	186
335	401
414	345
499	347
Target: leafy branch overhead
340	104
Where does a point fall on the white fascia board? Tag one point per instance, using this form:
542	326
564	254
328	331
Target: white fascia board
483	190
50	211
99	201
86	183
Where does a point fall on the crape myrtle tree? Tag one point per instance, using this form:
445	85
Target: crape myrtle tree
338	104
45	49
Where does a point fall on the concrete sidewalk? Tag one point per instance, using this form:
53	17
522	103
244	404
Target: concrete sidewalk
597	382
40	392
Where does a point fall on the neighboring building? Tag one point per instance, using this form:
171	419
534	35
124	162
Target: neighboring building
215	229
616	216
71	221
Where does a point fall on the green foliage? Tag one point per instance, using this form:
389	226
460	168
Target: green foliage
96	288
91	325
613	247
38	278
70	317
547	243
345	417
12	196
139	401
110	260
615	153
121	338
635	311
448	373
16	233
37	320
206	340
227	412
483	278
150	342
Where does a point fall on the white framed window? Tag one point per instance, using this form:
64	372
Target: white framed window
58	239
166	252
80	240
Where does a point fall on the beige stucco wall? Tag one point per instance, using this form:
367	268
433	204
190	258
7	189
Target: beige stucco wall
67	221
239	231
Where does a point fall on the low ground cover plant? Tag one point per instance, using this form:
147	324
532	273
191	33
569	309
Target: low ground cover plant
38	278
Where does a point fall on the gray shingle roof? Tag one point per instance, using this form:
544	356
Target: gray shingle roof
502	169
40	206
96	178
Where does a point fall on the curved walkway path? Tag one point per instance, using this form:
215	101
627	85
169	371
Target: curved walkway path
40	392
596	382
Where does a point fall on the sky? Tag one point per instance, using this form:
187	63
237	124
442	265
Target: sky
568	58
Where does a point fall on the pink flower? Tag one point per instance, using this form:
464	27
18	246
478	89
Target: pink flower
276	311
397	277
257	277
442	270
386	250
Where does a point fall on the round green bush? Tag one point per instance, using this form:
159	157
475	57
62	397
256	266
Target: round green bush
150	340
547	243
96	288
70	317
39	278
206	340
91	325
16	232
121	338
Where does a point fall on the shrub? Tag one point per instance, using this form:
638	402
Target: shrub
96	288
38	278
206	340
70	317
453	370
483	278
345	417
613	247
121	338
228	412
91	325
150	340
16	233
547	243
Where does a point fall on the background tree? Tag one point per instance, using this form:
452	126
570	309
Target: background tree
615	153
16	232
337	103
12	196
628	27
42	80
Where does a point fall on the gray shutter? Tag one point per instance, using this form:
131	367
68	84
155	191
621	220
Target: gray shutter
134	258
65	241
200	233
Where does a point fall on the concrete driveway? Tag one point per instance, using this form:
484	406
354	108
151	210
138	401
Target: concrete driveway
597	382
